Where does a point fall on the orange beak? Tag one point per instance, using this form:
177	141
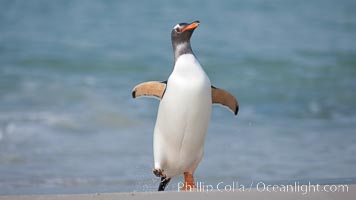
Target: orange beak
191	26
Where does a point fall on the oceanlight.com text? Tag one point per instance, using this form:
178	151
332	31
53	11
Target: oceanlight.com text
297	187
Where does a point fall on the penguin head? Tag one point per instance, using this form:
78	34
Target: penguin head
182	32
180	36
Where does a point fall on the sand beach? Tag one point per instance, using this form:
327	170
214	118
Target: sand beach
348	192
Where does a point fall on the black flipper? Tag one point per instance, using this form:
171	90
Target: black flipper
163	183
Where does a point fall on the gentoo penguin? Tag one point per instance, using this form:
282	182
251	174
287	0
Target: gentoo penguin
183	117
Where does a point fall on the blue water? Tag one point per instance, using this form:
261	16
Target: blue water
68	123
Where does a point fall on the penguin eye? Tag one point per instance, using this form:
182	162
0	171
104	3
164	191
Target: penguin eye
177	28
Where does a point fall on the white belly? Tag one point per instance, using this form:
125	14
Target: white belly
183	118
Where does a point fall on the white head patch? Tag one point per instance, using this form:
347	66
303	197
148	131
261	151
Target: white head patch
176	26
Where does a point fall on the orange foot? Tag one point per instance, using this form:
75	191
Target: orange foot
189	184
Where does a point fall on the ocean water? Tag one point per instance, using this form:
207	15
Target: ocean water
68	123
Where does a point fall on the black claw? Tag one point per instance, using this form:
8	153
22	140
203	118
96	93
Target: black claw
163	183
158	172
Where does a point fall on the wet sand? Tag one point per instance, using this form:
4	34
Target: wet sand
253	194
